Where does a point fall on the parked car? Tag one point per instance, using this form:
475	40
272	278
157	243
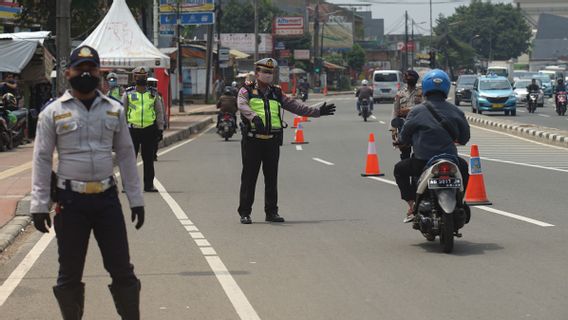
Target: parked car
520	89
495	94
386	84
463	88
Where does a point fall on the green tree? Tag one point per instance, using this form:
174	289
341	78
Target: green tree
496	31
356	58
335	58
238	16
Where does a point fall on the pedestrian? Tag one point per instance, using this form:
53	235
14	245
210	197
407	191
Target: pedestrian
260	103
144	110
85	127
153	85
113	87
218	86
405	99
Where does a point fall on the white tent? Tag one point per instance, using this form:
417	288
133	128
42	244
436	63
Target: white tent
121	43
17	49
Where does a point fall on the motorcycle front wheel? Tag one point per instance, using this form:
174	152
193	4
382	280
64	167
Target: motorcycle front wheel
447	233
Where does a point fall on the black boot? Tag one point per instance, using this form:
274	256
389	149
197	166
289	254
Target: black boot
127	300
273	217
71	301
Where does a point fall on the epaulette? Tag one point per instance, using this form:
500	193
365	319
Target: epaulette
50	101
130	89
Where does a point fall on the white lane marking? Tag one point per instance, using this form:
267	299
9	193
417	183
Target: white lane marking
240	302
22	269
515	216
299	148
15	170
323	161
373	117
382	122
485	208
543	115
27	263
518	110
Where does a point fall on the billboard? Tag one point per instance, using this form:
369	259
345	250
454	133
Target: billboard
244	42
170	6
336	35
289	26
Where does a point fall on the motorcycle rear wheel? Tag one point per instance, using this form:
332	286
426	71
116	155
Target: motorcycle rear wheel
447	233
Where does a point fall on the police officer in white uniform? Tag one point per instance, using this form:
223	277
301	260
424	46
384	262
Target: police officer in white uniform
85	126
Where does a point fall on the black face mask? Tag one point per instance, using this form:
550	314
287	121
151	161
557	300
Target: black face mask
84	83
141	82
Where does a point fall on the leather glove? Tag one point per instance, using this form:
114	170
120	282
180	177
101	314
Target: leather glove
138	212
258	124
40	220
327	109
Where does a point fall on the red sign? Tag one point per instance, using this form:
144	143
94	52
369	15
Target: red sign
285	53
289	26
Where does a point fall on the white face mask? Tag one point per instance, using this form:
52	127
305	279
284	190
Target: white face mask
265	77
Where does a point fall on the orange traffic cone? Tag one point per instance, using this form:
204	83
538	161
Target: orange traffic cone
372	169
305	119
325	91
299	136
297	120
475	193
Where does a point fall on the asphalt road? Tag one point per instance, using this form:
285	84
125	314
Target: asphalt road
543	117
343	253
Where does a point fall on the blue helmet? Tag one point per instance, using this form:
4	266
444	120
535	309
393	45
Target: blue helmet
436	80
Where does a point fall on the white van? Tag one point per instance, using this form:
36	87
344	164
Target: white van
386	84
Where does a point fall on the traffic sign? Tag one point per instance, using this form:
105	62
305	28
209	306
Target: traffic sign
190	18
223	54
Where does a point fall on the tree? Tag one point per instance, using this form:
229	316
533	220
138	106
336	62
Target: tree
238	17
499	30
356	58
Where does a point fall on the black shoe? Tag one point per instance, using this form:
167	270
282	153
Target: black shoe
246	220
151	189
274	218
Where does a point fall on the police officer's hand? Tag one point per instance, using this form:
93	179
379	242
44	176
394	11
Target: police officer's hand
40	220
258	124
327	109
138	212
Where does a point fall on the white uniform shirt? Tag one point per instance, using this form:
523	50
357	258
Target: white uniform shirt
84	141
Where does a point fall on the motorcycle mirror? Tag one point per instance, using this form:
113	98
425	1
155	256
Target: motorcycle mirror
397	123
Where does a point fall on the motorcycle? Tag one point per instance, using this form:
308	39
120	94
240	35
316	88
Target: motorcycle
12	128
561	102
302	95
227	126
532	102
439	208
365	109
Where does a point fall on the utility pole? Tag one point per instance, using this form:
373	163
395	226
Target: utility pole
63	42
208	61
431	27
405	62
316	45
179	58
218	26
255	30
155	24
413	47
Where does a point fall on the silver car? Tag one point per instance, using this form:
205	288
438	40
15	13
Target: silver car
520	89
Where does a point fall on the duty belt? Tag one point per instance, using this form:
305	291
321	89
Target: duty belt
90	187
260	136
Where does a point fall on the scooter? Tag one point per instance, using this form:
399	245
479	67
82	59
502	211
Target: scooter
440	209
365	109
561	101
227	126
302	95
12	128
531	103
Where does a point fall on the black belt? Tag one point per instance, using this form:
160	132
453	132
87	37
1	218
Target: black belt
260	136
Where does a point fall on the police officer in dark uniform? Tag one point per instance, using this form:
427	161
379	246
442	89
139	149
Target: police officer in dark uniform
85	126
260	104
145	116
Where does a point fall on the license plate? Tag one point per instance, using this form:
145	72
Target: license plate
452	183
385	90
498	105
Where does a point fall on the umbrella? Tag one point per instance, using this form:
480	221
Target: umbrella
297	71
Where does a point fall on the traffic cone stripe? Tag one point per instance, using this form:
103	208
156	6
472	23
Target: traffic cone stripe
475	193
372	167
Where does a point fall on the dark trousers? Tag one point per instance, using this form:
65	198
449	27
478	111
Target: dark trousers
405	152
78	215
405	169
146	139
254	153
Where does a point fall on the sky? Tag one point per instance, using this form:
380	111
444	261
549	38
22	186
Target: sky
419	10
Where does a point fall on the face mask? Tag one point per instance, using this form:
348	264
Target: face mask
141	82
84	83
265	77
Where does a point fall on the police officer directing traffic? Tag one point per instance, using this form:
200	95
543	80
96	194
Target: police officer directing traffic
85	126
260	104
145	116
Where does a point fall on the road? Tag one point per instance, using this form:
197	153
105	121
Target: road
343	253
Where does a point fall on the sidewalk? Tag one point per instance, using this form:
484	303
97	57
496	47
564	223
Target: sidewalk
15	169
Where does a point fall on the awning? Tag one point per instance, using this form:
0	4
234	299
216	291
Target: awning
238	54
332	66
16	54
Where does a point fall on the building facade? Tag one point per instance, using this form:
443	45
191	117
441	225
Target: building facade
534	8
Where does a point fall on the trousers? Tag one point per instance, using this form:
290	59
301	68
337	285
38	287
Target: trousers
145	140
256	152
405	169
79	214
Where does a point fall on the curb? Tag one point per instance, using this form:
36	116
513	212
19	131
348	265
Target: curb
22	218
540	134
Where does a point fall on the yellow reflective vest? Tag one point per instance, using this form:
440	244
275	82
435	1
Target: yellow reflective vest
115	93
269	109
141	112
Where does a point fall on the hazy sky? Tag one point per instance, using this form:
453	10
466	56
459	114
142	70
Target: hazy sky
419	11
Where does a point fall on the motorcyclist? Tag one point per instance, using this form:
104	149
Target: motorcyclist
227	104
405	99
9	103
364	92
304	86
429	137
235	88
532	88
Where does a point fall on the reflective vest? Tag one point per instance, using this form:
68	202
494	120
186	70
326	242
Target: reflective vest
115	93
268	110
141	112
